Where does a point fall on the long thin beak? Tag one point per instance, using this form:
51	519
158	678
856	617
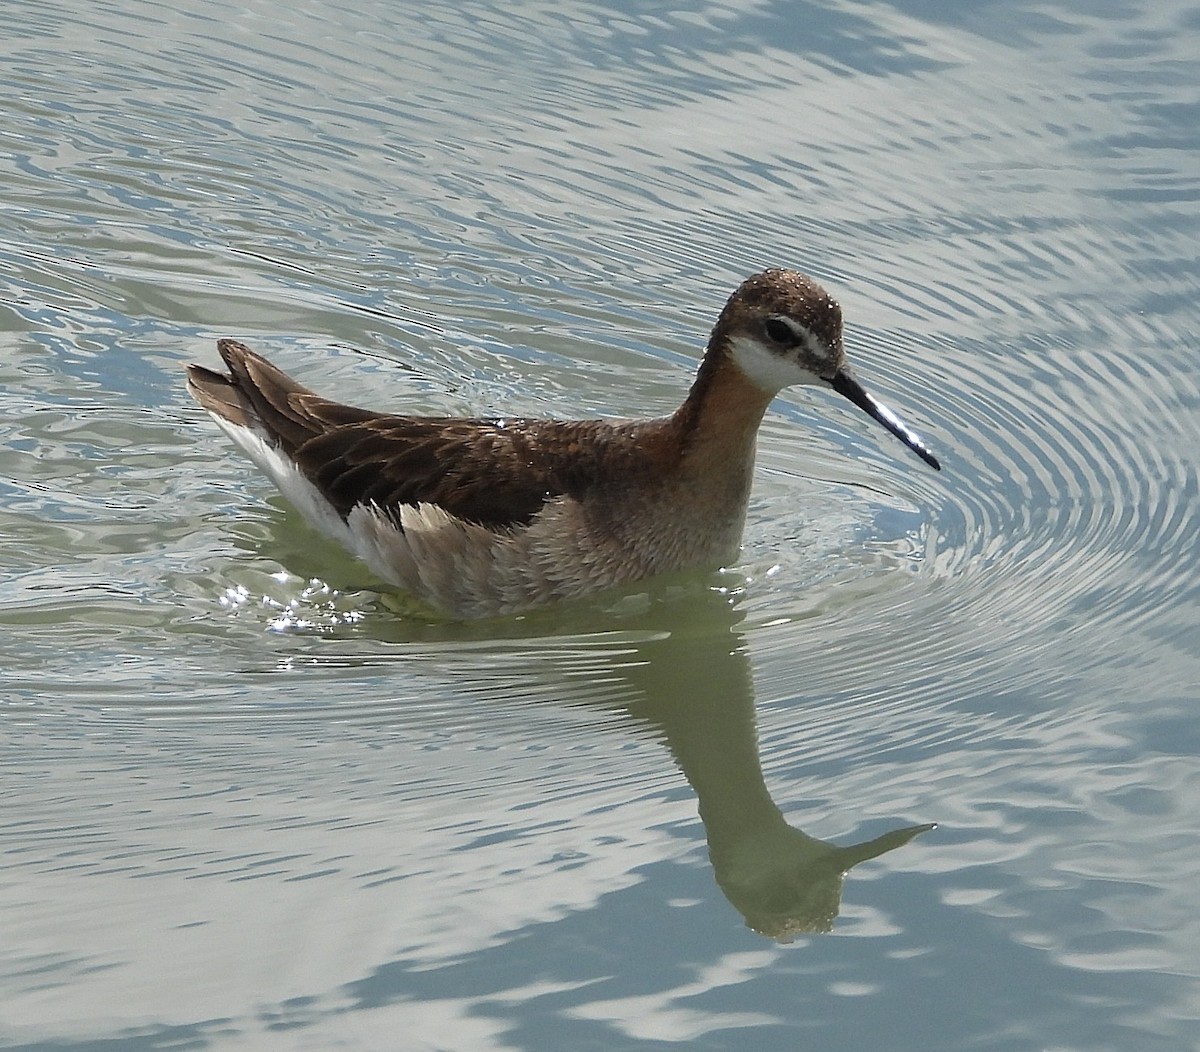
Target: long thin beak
845	384
852	856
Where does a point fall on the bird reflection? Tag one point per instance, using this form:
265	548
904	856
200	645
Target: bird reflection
680	669
695	691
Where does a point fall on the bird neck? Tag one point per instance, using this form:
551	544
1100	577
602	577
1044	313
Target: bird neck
718	421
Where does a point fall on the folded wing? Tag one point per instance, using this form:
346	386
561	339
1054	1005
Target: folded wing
498	474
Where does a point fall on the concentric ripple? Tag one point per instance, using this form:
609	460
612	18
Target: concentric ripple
1061	525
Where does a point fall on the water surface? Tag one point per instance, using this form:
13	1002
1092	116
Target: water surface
252	804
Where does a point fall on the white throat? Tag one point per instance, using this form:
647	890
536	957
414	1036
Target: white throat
768	369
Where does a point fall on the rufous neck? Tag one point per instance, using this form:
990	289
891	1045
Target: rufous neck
723	409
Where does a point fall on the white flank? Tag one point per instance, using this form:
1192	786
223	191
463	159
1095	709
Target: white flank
292	484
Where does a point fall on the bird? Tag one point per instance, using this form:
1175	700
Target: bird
483	518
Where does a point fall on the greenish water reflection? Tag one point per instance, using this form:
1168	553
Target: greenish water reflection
698	695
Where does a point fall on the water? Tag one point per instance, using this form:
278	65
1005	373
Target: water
248	803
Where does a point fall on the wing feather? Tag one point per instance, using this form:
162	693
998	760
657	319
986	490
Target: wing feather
498	474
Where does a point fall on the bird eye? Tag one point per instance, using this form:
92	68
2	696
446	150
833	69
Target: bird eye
781	332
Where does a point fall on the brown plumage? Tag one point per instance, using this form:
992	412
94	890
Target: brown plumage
483	517
493	473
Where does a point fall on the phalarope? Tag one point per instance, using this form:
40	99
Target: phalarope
487	517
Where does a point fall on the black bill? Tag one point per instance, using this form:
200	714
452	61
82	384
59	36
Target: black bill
844	383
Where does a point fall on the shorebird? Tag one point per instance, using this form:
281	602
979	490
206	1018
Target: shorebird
486	517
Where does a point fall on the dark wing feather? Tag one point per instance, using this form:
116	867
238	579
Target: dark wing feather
487	472
475	469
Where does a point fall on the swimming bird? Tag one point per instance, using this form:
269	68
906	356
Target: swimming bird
486	517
